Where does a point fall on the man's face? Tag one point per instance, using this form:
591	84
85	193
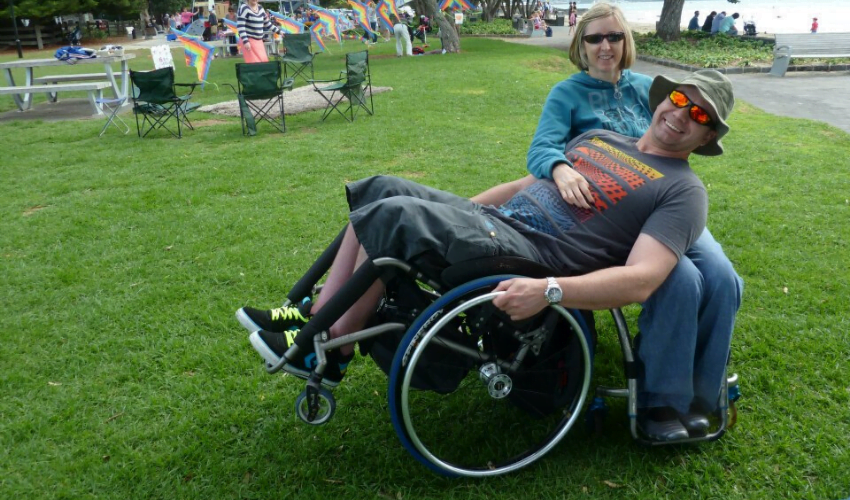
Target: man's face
674	131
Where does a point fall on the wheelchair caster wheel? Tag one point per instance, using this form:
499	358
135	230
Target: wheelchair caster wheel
316	408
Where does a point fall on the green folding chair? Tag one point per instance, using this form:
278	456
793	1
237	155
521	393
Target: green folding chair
156	101
354	87
260	91
298	56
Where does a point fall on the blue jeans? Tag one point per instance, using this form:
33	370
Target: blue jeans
686	330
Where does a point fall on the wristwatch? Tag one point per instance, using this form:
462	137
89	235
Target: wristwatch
554	294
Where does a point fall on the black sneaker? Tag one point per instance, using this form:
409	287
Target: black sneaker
272	345
279	319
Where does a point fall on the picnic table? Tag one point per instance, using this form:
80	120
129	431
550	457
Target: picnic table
93	83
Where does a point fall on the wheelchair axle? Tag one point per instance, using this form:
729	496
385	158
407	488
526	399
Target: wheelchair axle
499	384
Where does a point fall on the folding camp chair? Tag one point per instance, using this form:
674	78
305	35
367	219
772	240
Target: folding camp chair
111	107
354	84
261	89
155	100
298	56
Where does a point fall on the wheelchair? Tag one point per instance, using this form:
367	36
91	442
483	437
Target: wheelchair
471	392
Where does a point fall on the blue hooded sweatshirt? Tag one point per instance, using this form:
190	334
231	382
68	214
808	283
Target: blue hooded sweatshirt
581	103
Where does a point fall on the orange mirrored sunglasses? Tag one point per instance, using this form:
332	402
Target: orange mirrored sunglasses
697	113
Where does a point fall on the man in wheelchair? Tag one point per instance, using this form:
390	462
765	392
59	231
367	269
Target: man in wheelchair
649	207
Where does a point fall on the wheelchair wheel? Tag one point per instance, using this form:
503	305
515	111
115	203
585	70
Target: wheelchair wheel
326	406
508	391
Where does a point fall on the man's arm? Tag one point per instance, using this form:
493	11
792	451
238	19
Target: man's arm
648	265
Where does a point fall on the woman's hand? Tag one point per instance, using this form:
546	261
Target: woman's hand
573	187
523	297
246	46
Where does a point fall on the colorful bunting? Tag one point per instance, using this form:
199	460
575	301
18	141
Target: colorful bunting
287	24
231	27
316	32
360	16
329	20
454	5
198	54
385	11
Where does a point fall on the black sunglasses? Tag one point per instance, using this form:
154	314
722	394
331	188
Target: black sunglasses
614	37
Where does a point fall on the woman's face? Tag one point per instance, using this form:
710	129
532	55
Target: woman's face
603	59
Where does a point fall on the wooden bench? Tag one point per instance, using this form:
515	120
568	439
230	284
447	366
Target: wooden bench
808	45
94	89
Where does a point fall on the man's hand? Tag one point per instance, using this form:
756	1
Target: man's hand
573	186
523	297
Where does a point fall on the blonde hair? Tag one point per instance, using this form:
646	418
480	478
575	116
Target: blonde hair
600	11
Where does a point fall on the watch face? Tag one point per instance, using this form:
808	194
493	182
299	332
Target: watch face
553	295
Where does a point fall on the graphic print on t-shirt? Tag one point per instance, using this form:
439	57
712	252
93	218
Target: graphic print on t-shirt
612	175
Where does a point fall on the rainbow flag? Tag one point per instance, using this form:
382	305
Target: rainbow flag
199	54
385	10
360	15
329	20
454	5
231	27
286	23
316	32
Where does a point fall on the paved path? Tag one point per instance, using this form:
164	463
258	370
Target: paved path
813	95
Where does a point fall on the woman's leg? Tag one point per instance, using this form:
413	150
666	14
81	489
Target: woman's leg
686	329
257	52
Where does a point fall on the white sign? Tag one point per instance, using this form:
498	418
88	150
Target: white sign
162	56
458	17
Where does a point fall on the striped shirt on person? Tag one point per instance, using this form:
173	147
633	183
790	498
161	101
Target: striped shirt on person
253	24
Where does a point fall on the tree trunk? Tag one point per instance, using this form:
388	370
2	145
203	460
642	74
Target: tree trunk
448	32
669	26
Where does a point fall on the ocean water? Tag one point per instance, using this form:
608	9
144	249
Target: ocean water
769	16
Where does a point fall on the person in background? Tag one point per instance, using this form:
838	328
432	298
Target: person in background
694	24
403	45
372	14
727	27
186	18
231	39
715	24
252	22
814	25
573	19
709	20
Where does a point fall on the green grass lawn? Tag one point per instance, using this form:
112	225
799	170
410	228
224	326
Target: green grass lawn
125	375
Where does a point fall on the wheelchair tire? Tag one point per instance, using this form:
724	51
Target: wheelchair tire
497	420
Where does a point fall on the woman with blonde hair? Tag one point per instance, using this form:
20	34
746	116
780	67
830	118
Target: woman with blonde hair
605	94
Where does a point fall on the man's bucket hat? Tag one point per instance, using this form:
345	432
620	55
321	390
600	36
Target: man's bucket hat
715	88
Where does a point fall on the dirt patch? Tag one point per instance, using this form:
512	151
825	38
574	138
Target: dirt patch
33	209
297	101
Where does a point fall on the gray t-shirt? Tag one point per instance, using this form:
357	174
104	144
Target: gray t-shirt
634	193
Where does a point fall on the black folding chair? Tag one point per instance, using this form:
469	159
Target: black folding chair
354	85
155	100
298	56
261	87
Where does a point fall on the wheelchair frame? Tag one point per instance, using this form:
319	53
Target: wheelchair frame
316	405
